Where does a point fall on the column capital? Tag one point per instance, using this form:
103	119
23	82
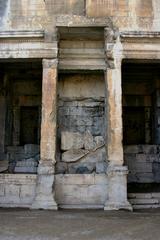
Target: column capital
113	48
111	34
50	63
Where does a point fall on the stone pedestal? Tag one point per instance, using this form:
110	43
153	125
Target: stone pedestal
117	185
45	187
45	182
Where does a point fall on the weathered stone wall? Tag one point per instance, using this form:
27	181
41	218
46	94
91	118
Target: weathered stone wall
81	124
17	190
126	14
72	191
143	162
140	114
81	191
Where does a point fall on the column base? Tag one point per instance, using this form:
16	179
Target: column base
109	206
46	204
44	198
117	188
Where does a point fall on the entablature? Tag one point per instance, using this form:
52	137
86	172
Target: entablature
26	44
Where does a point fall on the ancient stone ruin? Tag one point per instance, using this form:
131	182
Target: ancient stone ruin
80	104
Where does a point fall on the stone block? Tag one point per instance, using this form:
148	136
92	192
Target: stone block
31	149
140	195
141	157
88	141
156	172
145	177
61	167
81	168
27	191
141	167
74	155
95	156
75	179
131	149
138	201
79	190
149	149
25	169
100	179
101	167
71	140
156	195
4	165
145	206
12	190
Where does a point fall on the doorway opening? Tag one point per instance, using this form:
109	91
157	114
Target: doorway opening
141	125
20	107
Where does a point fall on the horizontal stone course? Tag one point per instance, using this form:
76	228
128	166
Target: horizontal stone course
81	190
17	190
143	162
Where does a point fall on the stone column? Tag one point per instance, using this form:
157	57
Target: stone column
45	183
116	172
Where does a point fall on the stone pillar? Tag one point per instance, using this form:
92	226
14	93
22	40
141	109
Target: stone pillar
45	183
116	172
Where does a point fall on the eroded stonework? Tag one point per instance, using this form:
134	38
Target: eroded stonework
79	105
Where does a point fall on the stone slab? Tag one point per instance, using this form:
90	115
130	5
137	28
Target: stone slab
71	140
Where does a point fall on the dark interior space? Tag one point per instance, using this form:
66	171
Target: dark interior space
20	108
141	124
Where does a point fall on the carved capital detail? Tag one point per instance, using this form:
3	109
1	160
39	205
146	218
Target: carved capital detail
111	35
112	46
50	63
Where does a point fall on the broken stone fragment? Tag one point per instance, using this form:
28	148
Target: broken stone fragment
94	156
73	155
88	141
71	140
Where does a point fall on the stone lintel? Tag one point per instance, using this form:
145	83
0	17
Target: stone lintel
81	21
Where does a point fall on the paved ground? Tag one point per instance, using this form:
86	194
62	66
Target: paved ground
21	224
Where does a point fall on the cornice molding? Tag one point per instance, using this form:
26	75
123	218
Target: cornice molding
21	34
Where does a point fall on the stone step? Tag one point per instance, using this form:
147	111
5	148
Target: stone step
145	206
144	201
144	195
139	195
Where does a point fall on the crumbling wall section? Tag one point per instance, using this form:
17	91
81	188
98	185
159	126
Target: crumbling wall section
81	124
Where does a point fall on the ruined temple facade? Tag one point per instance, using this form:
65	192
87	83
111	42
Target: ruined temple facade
80	104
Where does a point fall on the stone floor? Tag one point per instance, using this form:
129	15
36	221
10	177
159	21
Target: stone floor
22	224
